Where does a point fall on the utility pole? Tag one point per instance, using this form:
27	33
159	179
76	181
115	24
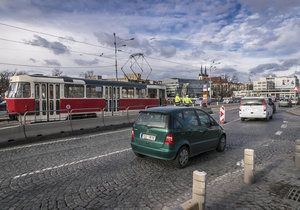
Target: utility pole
116	50
116	63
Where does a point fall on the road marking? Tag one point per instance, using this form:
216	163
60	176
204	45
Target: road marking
240	163
278	133
63	140
13	126
283	125
232	121
72	163
224	176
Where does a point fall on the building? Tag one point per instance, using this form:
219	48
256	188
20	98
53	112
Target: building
191	87
277	87
264	84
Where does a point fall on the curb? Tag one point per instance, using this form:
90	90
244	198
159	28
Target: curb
291	111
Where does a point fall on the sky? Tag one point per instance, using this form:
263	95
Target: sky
159	39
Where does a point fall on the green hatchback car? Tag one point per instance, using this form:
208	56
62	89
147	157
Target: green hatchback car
176	133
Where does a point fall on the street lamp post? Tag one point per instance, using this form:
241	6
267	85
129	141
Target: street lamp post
212	66
116	50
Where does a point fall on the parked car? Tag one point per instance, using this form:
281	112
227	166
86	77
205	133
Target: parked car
272	104
286	102
227	100
295	101
255	107
176	133
3	106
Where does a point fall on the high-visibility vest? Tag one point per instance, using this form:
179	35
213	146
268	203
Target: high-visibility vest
177	99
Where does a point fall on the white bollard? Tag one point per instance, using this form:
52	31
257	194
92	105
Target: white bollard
297	153
248	166
199	188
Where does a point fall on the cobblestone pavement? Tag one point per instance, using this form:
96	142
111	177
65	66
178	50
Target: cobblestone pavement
101	172
295	110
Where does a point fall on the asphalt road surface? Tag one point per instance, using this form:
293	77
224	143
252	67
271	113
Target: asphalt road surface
101	171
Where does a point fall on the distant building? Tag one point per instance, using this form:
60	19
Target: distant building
191	87
277	87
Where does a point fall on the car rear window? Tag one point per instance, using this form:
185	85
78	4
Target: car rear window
252	101
151	119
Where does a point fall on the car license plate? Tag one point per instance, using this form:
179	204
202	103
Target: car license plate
148	137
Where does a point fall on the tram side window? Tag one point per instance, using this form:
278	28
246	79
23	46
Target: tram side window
161	93
93	91
140	93
152	93
19	90
127	92
74	91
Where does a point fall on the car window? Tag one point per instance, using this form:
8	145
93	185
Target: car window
151	119
204	118
252	101
190	118
178	121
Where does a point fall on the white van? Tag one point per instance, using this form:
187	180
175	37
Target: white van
255	107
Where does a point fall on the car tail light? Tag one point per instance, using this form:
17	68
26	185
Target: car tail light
169	139
132	135
264	104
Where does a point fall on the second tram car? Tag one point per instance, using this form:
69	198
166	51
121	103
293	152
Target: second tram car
48	98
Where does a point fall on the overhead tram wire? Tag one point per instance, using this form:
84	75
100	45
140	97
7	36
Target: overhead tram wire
73	51
63	67
52	35
90	44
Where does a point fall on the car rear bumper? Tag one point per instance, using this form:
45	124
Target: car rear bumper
161	153
262	115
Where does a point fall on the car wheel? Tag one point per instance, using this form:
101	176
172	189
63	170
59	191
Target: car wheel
139	155
242	119
182	157
222	144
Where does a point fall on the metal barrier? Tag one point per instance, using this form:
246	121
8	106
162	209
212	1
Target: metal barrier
82	111
41	113
35	123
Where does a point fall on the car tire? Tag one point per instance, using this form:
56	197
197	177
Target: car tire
139	155
182	157
222	144
242	119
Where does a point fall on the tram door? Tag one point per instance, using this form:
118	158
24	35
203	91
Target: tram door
47	99
113	96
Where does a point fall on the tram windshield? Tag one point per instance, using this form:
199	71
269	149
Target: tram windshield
19	90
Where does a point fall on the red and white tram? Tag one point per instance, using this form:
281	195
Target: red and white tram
51	98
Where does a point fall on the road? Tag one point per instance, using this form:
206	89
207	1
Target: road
100	170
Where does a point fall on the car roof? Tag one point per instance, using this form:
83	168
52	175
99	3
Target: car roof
249	97
166	109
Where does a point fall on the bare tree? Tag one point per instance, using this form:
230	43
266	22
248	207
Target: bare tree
57	72
4	81
88	74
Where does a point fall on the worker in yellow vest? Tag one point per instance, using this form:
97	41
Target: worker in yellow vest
187	101
177	100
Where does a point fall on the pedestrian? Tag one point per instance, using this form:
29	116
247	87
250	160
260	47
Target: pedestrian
187	101
177	100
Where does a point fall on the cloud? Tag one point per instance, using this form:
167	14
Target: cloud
56	47
52	62
270	68
231	72
82	62
32	60
168	51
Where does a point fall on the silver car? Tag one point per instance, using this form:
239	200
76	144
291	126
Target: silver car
255	107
